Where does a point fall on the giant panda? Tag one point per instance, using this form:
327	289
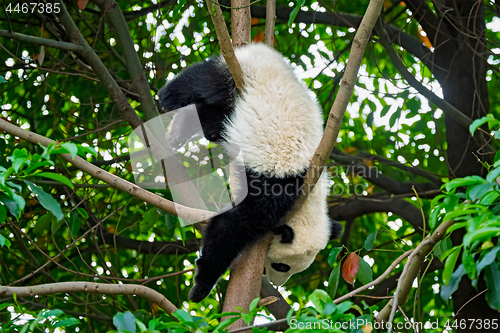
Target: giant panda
277	124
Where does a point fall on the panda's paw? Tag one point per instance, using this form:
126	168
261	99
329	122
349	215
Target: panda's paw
199	292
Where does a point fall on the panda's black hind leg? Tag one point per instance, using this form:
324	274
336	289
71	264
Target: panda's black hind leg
228	234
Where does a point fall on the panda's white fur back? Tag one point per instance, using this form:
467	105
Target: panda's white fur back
276	122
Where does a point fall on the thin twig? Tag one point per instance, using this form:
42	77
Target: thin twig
65	249
376	281
41	41
402	278
414	263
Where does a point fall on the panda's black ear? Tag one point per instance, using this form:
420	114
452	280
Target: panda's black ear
286	233
335	229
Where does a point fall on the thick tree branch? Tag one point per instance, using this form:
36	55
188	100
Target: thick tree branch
278	309
410	169
432	25
117	182
418	257
390	185
240	22
41	41
361	206
270	21
91	288
226	47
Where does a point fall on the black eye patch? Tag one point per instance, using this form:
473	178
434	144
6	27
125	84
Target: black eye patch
280	267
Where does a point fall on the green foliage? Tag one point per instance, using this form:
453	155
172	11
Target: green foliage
41	321
473	203
46	204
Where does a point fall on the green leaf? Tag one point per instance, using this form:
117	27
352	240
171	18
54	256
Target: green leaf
56	177
51	313
395	116
82	150
459	212
469	264
489	198
492	277
66	322
433	218
466	181
149	219
370	240
55	225
4	242
3	214
365	274
19	201
5	175
74	223
343	307
493	174
11	205
477	191
476	124
384	111
2	79
83	213
71	148
443	246
38	165
253	304
46	200
332	257
43	223
18	158
319	298
183	316
448	290
450	264
487	259
294	12
225	324
480	234
125	321
333	280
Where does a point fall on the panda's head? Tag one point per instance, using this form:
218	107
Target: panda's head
279	269
294	249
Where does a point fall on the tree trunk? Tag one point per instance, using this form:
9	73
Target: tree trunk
460	67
